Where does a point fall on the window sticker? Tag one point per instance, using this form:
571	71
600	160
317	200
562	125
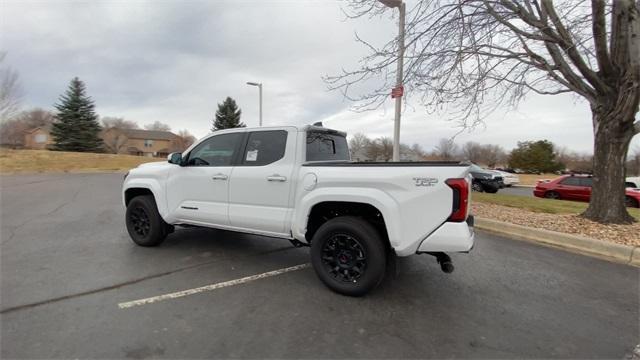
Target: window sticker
252	155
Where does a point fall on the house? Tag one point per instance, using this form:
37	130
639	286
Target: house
151	143
38	138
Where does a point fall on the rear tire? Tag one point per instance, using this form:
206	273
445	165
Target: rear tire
491	190
144	224
631	202
552	195
349	255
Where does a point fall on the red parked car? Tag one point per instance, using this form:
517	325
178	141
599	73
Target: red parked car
578	188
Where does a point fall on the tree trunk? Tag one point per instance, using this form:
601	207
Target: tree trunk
612	137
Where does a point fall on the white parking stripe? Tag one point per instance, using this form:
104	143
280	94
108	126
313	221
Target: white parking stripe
197	290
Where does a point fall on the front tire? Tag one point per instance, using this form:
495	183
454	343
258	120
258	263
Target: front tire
348	254
144	224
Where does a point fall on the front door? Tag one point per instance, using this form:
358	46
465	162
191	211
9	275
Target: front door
199	190
260	187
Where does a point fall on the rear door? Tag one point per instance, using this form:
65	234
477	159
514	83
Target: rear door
569	188
261	184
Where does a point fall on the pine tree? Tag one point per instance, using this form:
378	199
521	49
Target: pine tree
227	115
76	127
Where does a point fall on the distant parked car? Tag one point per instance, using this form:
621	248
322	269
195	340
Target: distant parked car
633	182
578	188
485	180
509	179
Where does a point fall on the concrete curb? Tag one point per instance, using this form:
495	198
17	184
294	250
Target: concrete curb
610	251
525	186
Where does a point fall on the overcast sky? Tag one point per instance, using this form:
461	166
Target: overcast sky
174	61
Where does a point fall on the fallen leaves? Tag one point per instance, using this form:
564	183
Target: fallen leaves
566	223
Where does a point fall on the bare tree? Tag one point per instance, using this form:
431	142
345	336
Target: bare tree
12	131
10	91
418	151
36	118
114	140
358	143
157	125
493	155
380	149
472	151
118	122
185	139
446	149
474	56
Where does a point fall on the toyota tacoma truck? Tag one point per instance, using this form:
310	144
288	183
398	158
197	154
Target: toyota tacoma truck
298	183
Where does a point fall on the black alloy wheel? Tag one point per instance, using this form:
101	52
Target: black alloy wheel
140	221
144	224
344	258
349	255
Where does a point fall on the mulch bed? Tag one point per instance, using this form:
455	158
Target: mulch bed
571	224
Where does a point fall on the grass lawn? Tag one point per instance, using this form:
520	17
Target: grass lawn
540	205
531	179
33	161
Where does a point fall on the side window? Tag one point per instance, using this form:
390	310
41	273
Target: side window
215	151
571	181
586	181
265	147
323	146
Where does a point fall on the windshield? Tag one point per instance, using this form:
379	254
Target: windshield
323	146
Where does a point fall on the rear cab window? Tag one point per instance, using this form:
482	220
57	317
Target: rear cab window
325	146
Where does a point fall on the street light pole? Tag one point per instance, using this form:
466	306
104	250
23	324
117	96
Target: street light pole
259	85
396	125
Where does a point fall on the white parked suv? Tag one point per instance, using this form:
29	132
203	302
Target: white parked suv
298	183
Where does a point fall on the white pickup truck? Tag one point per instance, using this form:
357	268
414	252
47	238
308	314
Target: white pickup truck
298	183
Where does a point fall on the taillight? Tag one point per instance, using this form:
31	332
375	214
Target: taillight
460	189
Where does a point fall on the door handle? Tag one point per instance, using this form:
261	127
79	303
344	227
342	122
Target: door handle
219	177
276	177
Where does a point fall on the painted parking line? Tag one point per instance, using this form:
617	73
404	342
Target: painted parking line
211	287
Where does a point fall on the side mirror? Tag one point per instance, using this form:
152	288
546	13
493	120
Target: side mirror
175	158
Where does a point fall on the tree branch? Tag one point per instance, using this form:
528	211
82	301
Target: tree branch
570	48
600	37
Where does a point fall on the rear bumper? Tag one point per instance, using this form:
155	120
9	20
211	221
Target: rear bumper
450	237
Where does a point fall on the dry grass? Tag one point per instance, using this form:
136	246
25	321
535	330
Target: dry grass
555	215
35	161
531	179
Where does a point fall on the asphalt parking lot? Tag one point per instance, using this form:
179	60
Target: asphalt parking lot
67	264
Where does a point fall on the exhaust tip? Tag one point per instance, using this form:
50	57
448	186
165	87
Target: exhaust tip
447	267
